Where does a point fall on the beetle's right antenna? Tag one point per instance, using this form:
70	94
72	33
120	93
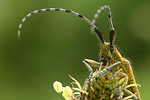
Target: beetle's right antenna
112	32
98	32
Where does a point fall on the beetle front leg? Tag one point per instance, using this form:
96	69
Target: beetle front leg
109	68
88	63
88	79
92	62
90	70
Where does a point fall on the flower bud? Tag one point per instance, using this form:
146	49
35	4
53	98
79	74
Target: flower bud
67	93
57	86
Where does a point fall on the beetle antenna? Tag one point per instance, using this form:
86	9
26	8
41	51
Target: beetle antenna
112	32
98	32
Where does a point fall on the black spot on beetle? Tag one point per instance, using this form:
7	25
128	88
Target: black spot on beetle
80	16
67	11
57	9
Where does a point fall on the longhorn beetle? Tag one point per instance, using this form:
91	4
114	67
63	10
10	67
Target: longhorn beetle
109	55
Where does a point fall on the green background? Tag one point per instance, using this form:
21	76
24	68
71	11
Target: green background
53	44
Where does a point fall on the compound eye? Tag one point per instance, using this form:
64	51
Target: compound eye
102	59
111	48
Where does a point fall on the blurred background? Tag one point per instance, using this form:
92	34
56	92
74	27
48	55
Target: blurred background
53	44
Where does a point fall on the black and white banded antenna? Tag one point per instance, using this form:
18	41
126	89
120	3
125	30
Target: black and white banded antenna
98	32
112	32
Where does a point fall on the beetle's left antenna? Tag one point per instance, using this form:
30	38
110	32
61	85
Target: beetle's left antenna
98	32
112	32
